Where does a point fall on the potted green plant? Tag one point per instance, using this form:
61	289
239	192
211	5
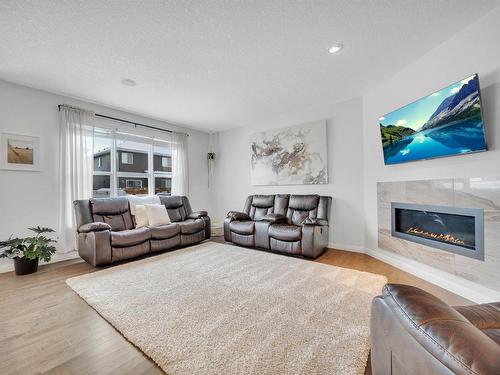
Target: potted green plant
27	251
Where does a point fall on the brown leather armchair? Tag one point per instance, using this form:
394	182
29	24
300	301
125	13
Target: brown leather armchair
107	232
414	332
291	224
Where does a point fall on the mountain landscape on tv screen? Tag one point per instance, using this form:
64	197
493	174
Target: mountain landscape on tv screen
446	122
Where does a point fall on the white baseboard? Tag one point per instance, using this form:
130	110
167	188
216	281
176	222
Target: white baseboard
352	248
7	265
458	285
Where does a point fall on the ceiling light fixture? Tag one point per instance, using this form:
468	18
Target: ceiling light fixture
128	82
335	48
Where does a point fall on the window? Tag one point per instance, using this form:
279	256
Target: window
127	158
163	185
137	184
101	186
103	147
162	164
126	164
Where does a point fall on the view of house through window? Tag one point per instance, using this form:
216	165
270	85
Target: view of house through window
128	165
162	165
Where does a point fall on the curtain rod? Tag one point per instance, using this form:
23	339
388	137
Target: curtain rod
136	124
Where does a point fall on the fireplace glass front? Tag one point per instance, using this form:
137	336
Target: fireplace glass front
459	230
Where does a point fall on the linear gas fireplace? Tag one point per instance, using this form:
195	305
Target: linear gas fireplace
458	230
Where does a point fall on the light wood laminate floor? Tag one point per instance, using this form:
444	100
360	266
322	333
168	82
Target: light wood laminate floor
46	328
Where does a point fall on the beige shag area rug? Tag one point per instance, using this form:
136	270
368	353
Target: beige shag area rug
221	309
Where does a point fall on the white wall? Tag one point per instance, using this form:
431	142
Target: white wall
344	129
473	50
30	198
355	170
355	153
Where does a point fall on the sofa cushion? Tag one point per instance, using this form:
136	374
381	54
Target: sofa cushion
191	226
263	201
135	200
130	237
112	211
242	227
257	206
141	216
122	253
157	215
281	203
165	231
285	232
301	207
273	218
303	202
116	222
109	206
178	207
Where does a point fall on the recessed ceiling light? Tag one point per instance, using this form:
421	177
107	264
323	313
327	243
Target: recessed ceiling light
128	82
335	48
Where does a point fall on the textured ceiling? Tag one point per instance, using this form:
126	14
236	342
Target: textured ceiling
219	64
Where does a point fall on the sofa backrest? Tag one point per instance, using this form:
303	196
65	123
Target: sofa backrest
178	207
257	206
113	211
301	207
281	203
297	208
324	205
116	211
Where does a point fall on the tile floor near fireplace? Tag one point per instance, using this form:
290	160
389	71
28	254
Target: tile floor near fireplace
454	229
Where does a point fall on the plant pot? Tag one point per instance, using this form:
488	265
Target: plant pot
25	266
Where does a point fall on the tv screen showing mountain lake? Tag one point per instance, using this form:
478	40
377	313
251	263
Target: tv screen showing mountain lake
447	122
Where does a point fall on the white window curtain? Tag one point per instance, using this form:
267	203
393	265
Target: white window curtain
75	168
180	167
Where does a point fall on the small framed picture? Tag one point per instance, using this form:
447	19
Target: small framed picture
19	152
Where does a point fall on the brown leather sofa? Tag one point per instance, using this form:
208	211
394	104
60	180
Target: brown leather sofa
414	332
107	232
291	224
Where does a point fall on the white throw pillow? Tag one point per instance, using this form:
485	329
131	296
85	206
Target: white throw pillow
157	215
141	216
134	201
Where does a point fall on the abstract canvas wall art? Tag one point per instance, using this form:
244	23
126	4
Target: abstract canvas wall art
295	155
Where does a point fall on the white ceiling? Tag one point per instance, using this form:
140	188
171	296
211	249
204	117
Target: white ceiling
215	65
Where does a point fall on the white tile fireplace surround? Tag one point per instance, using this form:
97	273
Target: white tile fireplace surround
482	193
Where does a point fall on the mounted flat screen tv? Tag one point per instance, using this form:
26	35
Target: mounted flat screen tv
447	122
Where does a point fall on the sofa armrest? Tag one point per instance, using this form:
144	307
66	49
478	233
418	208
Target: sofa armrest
197	214
424	331
273	218
235	215
95	247
320	222
93	227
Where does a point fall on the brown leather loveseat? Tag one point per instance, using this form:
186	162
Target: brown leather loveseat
293	224
107	232
414	332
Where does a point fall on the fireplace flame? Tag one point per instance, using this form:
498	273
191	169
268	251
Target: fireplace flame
435	236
